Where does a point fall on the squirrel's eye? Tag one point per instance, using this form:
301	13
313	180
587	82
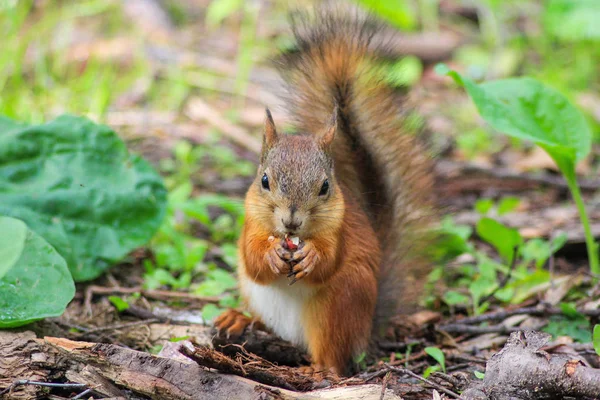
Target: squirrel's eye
324	188
265	182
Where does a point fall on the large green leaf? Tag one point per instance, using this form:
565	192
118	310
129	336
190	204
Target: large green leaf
37	285
74	183
527	109
12	242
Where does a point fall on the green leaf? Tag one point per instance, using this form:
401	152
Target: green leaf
596	338
119	303
508	204
578	329
530	285
503	238
570	310
527	109
217	282
37	285
453	298
13	233
437	355
483	206
74	183
429	370
536	249
479	375
451	241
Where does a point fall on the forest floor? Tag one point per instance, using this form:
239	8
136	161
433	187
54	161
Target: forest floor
190	97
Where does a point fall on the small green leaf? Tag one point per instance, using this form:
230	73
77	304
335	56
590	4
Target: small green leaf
13	233
479	375
537	250
570	310
596	338
503	238
429	370
483	206
453	298
437	355
507	205
578	329
119	303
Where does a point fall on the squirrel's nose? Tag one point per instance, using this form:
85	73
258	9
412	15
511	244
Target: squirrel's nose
291	225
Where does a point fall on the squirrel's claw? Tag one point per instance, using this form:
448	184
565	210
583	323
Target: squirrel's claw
233	323
308	259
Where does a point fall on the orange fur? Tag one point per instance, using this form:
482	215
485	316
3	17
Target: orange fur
339	317
363	240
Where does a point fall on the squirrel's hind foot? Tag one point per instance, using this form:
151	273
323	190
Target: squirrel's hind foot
234	323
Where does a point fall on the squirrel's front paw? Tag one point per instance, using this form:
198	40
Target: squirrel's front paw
306	259
278	259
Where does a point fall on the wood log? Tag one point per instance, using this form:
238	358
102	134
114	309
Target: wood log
112	370
523	370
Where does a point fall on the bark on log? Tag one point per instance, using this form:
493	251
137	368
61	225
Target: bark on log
21	357
522	370
111	370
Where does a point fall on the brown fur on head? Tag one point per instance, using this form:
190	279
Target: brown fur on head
295	183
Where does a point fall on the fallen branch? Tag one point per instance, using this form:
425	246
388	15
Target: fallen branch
250	366
24	382
468	329
538	311
434	385
522	370
463	170
163	295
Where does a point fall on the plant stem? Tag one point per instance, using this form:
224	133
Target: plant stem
589	238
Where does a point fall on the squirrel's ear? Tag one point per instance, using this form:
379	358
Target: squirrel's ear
326	138
270	135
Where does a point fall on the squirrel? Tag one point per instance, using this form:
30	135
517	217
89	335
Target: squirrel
354	186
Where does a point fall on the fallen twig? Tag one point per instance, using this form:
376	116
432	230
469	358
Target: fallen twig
163	295
120	326
384	384
538	311
250	366
463	328
24	382
434	385
505	174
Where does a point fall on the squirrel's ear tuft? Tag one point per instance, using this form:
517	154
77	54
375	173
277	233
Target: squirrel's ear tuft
326	138
270	135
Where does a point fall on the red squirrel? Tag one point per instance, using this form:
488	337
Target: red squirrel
353	186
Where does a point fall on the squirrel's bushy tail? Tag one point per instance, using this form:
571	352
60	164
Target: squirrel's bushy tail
335	62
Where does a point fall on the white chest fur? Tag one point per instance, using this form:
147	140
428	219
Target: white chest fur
280	307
